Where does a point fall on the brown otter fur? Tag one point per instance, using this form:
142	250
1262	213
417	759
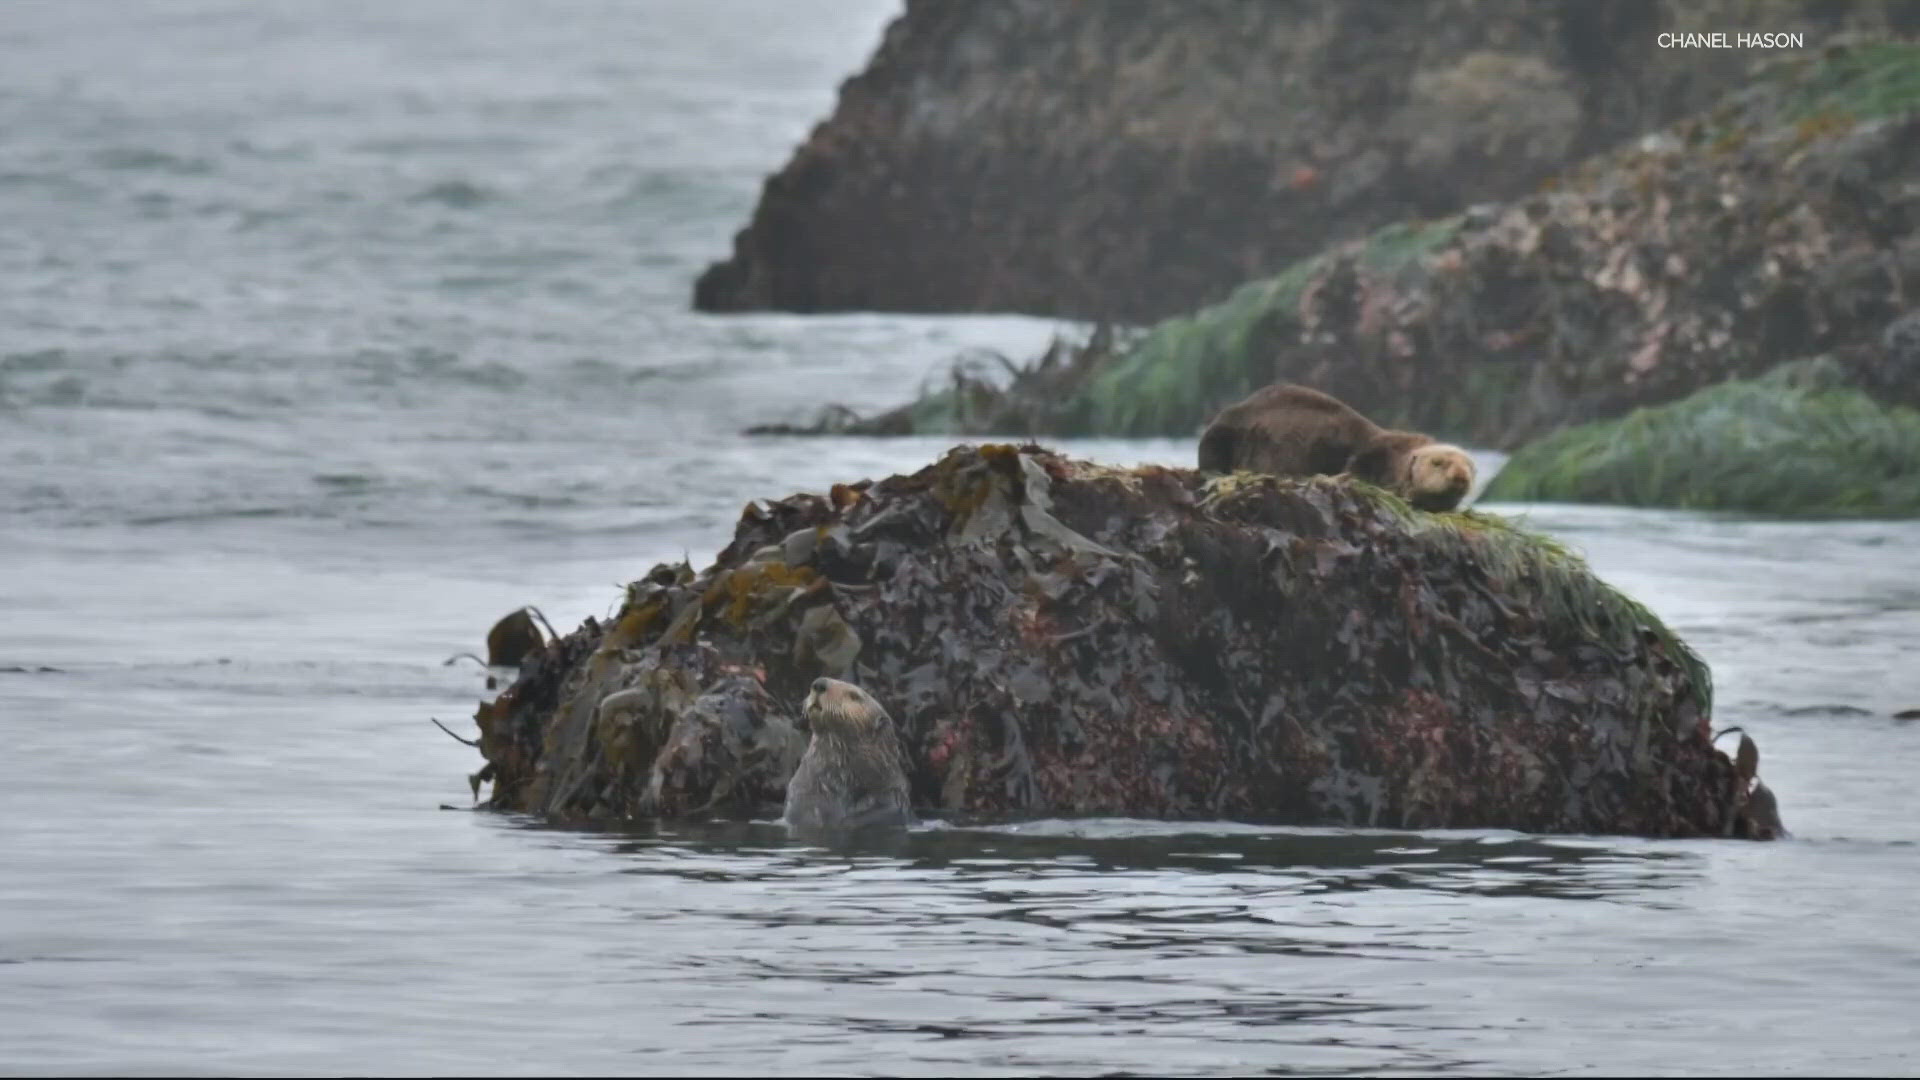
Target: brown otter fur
854	773
1289	430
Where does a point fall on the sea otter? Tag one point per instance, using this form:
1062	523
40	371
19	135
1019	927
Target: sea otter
853	774
1289	430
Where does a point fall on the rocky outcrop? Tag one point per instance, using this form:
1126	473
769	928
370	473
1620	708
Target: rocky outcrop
1797	442
1778	226
1055	637
1128	161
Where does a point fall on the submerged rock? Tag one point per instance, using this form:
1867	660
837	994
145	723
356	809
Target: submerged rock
1796	442
1056	637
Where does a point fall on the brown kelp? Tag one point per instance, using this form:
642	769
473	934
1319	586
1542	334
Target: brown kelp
1056	637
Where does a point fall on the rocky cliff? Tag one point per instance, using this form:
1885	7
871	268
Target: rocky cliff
1778	226
1129	160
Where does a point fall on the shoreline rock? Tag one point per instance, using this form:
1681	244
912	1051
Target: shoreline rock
1056	637
1128	162
1783	224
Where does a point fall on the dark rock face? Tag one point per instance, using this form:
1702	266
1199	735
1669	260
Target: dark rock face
1892	371
1781	225
1132	160
1056	637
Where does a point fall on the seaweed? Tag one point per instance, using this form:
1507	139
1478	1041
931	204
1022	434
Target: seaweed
1794	443
1859	80
1058	637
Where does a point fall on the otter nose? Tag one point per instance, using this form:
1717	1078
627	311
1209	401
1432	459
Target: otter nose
819	686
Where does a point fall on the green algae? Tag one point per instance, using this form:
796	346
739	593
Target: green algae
1791	444
1865	81
1173	378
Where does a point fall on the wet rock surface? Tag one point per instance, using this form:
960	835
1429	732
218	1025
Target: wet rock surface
1780	225
1055	637
1129	161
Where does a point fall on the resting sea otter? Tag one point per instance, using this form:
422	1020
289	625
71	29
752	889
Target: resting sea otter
1289	430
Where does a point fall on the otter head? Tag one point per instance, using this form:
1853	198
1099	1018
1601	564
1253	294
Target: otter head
1438	476
836	708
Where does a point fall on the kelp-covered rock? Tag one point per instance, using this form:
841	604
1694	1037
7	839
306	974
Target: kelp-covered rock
1131	160
1783	224
1798	441
1056	637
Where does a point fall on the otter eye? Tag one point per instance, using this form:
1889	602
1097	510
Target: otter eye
819	686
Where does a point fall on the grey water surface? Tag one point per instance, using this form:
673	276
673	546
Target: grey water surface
331	331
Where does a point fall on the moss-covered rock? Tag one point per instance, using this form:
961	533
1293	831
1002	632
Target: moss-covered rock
1796	442
1056	637
1783	223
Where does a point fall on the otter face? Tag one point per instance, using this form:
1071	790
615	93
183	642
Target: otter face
854	771
1438	476
841	708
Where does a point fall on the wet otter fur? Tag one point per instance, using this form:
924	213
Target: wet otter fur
1289	430
854	773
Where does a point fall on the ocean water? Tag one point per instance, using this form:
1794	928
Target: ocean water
329	332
